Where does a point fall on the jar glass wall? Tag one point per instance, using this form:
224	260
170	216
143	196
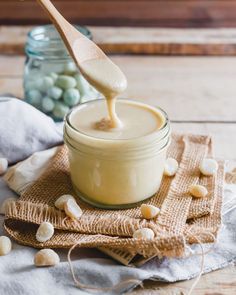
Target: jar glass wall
52	82
116	173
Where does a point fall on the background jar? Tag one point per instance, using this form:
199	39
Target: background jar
52	82
116	173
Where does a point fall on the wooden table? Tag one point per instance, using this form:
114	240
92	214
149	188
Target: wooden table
198	93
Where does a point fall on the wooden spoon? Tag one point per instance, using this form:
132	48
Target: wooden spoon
103	75
80	47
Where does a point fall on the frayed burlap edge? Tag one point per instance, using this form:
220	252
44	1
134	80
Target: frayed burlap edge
171	245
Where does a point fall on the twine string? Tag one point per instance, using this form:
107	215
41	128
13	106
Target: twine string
139	282
202	254
93	288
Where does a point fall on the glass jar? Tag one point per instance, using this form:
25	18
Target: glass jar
52	82
116	173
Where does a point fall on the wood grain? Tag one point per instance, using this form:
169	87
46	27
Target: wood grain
197	90
126	40
220	282
189	89
223	133
162	13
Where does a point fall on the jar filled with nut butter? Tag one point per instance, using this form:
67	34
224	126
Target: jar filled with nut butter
52	82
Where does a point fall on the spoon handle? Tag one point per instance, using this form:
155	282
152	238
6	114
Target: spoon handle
65	29
53	13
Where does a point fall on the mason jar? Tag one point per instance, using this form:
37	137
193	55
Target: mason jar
116	173
52	82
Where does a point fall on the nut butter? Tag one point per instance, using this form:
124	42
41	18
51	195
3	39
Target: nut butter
116	167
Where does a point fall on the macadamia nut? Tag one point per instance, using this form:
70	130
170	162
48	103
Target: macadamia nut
55	92
208	167
60	202
149	211
5	245
71	96
65	82
46	257
70	68
44	232
198	191
60	110
47	104
171	167
144	233
72	209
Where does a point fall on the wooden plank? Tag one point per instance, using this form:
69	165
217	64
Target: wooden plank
11	86
189	89
223	136
140	40
223	133
11	66
181	13
220	282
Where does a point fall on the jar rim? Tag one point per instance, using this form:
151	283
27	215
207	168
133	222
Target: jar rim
124	140
35	33
87	150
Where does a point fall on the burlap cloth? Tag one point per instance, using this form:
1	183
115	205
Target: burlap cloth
182	219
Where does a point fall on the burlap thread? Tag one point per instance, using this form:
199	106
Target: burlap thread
181	218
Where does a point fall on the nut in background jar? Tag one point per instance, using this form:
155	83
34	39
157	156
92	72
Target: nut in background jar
52	82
